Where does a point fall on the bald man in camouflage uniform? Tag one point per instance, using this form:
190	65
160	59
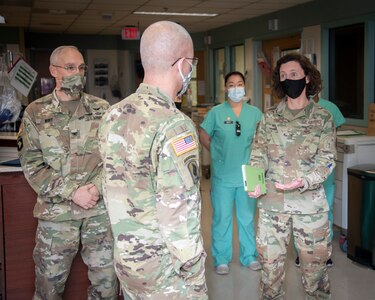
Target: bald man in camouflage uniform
151	176
295	144
58	149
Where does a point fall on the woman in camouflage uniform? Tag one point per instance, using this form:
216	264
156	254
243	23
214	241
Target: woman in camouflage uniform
295	144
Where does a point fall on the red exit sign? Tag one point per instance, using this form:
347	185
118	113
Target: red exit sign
130	33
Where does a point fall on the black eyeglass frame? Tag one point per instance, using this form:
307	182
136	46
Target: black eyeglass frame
238	128
194	60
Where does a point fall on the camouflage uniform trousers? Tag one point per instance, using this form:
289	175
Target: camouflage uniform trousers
170	292
56	246
169	286
311	234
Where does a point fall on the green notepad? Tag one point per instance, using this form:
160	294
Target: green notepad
252	176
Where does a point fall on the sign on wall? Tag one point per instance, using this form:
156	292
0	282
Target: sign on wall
130	33
22	77
101	68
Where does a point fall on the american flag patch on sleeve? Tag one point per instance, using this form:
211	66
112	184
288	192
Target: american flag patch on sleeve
184	144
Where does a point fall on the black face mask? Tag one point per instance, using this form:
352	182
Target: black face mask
293	88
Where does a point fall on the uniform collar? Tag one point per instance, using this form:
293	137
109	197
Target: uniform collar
282	110
87	109
154	91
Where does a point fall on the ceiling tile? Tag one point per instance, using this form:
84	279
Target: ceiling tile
109	16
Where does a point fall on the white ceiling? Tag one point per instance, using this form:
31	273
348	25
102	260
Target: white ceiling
109	16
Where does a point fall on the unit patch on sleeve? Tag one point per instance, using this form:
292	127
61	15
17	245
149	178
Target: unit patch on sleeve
19	143
19	138
184	144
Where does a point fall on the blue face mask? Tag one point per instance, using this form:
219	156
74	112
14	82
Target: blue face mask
236	93
185	80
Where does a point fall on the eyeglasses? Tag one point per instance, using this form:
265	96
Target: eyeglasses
71	68
194	60
238	128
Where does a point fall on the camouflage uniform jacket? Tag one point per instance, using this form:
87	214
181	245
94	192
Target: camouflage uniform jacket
59	152
288	147
151	189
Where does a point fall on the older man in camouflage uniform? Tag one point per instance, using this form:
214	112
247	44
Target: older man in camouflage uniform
151	176
295	144
58	149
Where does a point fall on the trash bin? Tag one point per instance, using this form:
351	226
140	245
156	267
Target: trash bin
361	214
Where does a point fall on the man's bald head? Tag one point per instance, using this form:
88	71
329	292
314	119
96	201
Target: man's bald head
162	43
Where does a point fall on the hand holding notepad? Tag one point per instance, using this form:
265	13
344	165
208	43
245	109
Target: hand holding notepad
253	176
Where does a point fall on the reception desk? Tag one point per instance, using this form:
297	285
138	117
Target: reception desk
17	234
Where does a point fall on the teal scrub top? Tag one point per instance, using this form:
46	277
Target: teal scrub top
338	118
229	151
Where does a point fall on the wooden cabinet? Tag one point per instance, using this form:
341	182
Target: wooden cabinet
17	235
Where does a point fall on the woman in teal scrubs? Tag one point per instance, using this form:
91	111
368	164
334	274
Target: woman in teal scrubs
227	132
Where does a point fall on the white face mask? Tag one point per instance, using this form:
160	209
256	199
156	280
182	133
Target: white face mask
185	80
236	93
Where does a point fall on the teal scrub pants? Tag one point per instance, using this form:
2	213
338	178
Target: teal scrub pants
223	200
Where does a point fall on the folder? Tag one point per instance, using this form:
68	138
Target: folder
253	176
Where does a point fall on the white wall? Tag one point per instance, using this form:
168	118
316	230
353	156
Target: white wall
311	43
107	56
121	74
127	73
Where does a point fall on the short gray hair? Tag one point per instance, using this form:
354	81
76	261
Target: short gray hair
57	52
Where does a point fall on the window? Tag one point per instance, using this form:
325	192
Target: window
192	90
346	69
237	58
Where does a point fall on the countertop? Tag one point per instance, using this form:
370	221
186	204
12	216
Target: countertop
7	169
10	165
8	136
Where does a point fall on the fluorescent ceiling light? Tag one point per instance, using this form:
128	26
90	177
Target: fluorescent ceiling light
2	20
160	13
57	11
